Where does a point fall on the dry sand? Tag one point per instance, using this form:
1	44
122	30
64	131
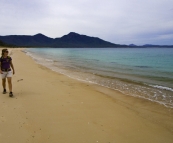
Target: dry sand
49	107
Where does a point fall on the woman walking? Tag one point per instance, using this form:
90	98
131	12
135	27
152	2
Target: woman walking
5	70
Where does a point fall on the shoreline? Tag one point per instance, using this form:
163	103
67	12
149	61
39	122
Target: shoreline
51	107
130	87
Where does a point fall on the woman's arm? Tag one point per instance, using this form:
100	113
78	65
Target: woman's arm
11	64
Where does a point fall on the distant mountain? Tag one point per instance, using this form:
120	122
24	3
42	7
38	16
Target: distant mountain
132	45
157	46
70	40
23	40
149	45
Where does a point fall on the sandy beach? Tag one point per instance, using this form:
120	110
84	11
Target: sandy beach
49	107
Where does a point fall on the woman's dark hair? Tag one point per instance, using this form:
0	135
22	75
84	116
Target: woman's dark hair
3	51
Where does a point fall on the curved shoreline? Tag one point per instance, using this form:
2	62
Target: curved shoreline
50	107
128	86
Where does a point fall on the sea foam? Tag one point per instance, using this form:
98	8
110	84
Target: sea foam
162	87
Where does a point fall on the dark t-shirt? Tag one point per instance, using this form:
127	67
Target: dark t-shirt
5	62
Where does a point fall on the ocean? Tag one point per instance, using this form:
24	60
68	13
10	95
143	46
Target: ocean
140	72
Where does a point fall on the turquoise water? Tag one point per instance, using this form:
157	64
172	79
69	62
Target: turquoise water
141	72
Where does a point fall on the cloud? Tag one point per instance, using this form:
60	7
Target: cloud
124	22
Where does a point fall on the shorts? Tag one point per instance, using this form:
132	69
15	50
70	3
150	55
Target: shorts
6	74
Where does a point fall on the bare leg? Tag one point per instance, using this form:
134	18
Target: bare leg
4	83
9	83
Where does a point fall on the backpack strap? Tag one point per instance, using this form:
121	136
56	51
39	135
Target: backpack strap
1	58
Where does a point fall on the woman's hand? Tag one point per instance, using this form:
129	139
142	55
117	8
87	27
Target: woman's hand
13	72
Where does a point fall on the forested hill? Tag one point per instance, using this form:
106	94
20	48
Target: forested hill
71	40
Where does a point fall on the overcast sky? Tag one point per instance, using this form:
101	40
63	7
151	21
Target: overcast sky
118	21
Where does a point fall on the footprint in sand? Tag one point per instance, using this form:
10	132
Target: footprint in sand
19	80
2	119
